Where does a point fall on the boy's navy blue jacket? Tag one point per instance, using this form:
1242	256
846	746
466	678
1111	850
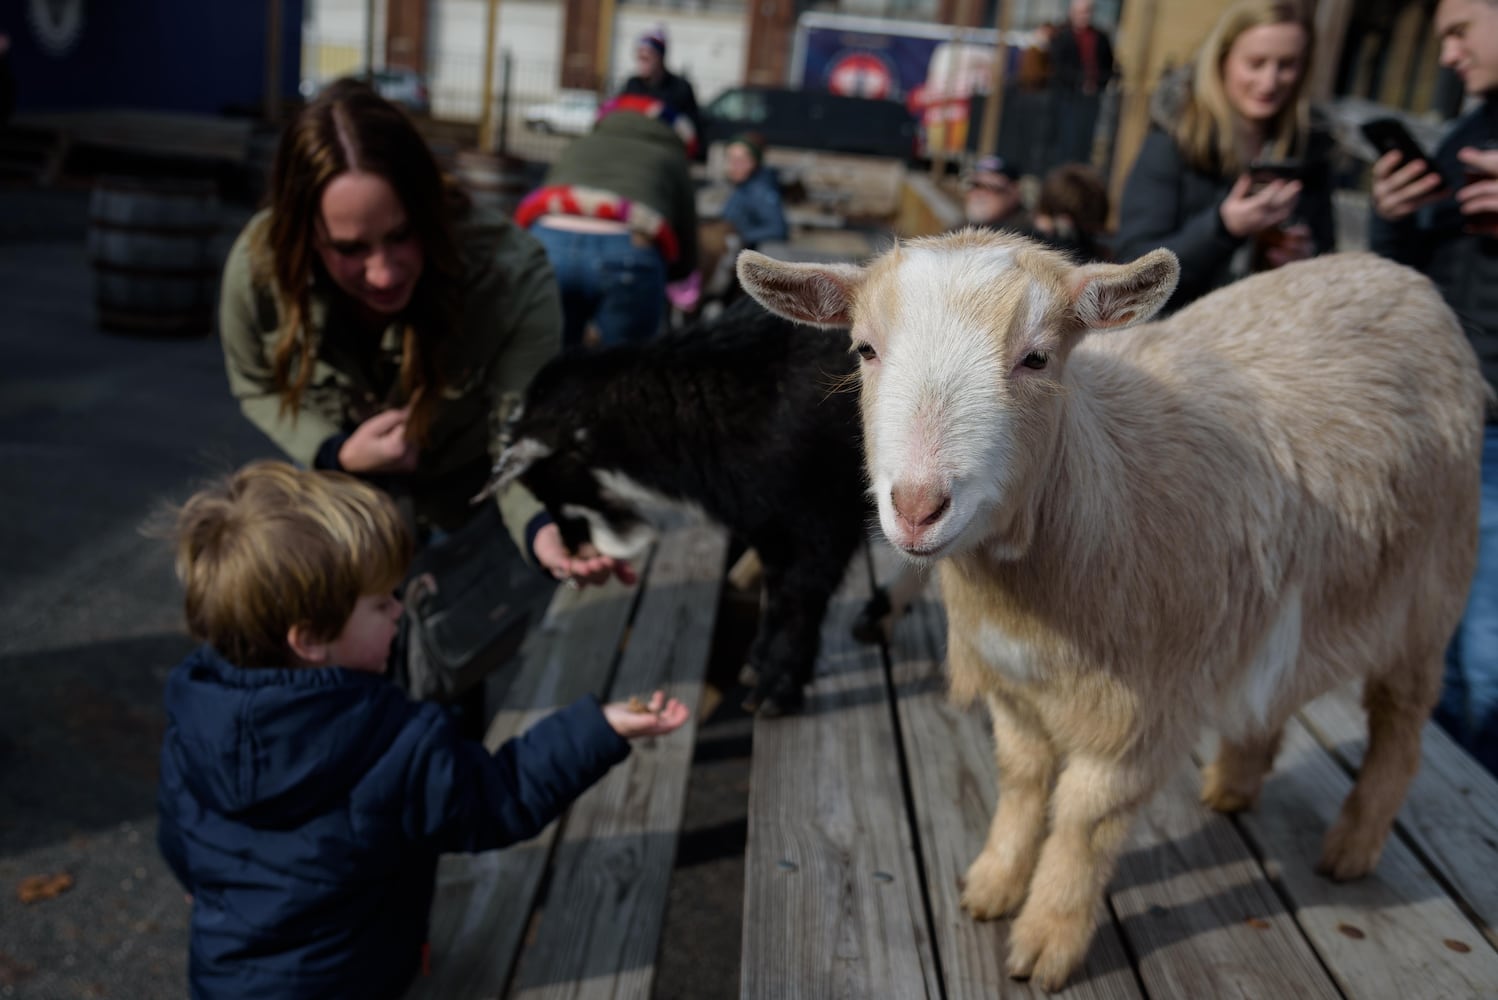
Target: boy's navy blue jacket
304	809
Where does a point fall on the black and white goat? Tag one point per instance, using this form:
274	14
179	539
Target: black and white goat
751	421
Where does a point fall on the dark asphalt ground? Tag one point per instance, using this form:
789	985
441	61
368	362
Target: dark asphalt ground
98	434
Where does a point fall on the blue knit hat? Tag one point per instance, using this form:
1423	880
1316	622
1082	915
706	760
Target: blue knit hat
656	39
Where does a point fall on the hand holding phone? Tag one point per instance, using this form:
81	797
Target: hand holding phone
1478	195
1389	135
1264	172
1405	179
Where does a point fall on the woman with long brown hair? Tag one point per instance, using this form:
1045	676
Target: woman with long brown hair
1193	187
373	322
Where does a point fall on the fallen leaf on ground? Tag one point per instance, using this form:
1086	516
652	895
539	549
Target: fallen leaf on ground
36	888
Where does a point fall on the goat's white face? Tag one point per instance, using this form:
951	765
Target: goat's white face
950	411
964	340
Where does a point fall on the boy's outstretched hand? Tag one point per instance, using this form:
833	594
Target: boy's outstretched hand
635	718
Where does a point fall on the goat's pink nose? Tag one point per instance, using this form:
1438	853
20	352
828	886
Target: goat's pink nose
919	504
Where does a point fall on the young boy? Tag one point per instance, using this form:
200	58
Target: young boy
303	798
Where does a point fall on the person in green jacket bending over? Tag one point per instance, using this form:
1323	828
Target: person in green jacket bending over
374	322
618	218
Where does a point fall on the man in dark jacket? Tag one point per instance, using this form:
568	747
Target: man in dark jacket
1081	66
655	80
7	81
303	799
1444	222
991	196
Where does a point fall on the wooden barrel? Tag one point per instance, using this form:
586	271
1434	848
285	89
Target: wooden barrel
496	182
153	246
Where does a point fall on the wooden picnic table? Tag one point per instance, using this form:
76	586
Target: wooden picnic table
867	807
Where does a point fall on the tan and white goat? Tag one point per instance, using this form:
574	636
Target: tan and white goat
1212	518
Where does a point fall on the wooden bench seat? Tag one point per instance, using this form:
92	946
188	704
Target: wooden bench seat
867	810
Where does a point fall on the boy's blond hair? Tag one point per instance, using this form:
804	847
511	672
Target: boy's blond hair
274	546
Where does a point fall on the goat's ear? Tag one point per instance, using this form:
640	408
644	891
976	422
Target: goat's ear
1109	296
817	294
512	464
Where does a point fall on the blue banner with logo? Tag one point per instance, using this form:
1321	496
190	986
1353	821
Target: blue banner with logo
866	64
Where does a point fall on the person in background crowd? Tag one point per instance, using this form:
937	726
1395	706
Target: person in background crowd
752	214
1072	211
1033	71
1081	66
1191	188
753	208
618	218
653	79
1444	222
991	195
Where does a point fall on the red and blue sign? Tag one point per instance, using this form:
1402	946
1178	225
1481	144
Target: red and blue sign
866	64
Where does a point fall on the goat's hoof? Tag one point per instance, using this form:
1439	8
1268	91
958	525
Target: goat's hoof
1047	948
1216	794
868	627
748	676
1351	851
775	697
990	890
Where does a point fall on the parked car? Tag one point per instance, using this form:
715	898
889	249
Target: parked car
572	113
405	87
810	119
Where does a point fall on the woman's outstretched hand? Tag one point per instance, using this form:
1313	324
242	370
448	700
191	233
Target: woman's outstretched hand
582	568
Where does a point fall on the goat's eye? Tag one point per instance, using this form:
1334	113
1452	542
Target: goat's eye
866	351
1036	360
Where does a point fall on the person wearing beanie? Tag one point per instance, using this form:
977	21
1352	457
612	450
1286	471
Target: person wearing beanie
653	79
617	216
991	195
753	208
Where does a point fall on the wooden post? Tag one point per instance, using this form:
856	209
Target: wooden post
605	44
272	104
988	139
1332	17
369	23
486	108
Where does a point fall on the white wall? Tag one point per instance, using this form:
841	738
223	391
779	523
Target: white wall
708	47
529	30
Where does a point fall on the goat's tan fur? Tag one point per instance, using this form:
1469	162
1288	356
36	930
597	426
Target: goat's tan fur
1290	468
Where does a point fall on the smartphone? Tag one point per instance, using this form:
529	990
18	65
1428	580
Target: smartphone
1261	172
1389	133
1276	170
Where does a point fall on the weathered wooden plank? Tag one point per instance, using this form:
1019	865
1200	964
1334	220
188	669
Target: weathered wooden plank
1197	911
953	784
832	899
483	901
1393	934
600	922
1451	812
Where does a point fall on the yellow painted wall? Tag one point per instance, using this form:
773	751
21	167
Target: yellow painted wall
328	61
